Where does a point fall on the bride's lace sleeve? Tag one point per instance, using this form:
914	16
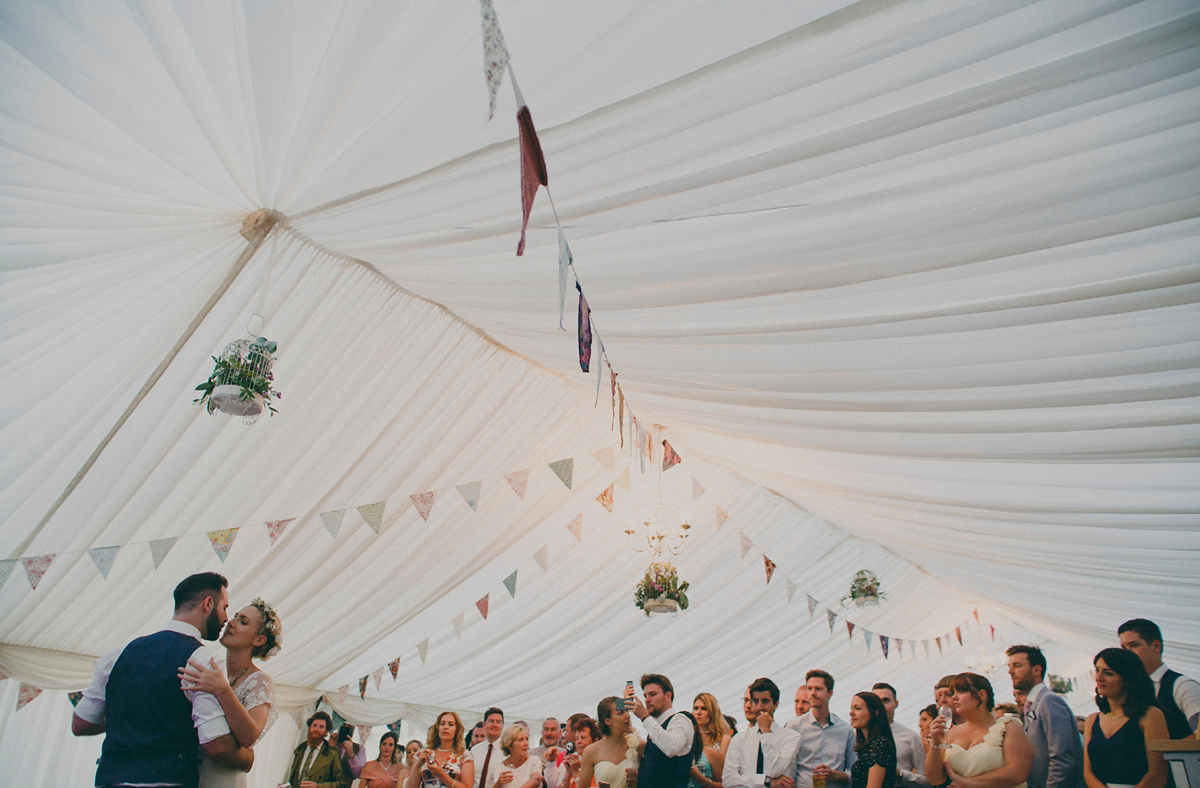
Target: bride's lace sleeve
256	690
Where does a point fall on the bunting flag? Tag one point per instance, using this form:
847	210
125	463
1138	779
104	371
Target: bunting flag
621	415
518	480
722	518
832	617
423	650
542	556
791	588
623	480
926	644
770	567
378	676
470	493
612	379
939	645
459	620
394	727
26	694
576	526
990	626
564	470
812	606
6	567
362	687
275	529
746	543
372	514
159	549
394	667
222	541
912	648
533	171
850	629
482	604
899	647
584	331
606	498
333	521
103	558
883	644
958	634
495	54
697	489
565	259
975	612
35	569
424	503
670	458
74	697
363	732
867	635
605	458
510	583
343	691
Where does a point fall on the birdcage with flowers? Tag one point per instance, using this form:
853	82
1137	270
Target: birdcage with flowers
242	383
661	590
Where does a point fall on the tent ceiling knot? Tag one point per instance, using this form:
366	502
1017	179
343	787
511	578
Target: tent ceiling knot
258	224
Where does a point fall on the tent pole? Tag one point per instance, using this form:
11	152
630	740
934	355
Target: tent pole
255	229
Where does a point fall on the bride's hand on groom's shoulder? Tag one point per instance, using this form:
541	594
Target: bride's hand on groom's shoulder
194	676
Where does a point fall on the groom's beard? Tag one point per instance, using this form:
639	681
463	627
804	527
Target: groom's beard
212	627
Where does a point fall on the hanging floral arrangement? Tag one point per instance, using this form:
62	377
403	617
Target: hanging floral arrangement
241	383
1059	685
864	589
661	590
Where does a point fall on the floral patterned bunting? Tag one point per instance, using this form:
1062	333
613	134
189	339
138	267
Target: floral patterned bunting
576	526
275	528
867	635
770	567
670	457
6	567
812	605
495	54
26	694
606	498
362	687
829	614
518	481
372	514
378	676
533	171
394	667
883	644
35	568
584	331
424	503
222	541
850	629
939	645
74	697
343	691
958	634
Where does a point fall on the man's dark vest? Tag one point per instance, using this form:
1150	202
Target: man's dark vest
1177	723
149	733
659	771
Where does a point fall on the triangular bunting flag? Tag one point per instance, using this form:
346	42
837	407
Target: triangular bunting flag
770	567
883	643
363	732
746	543
976	614
867	635
564	470
482	604
850	629
424	503
565	258
606	498
791	588
372	513
722	518
459	620
958	634
670	457
912	648
518	480
623	480
939	644
275	528
605	458
103	558
576	526
35	568
378	676
584	330
159	549
333	521
990	626
697	489
25	694
832	617
6	567
394	667
394	727
423	650
533	169
362	687
899	647
495	54
925	643
510	583
222	541
343	691
74	697
470	493
542	556
812	605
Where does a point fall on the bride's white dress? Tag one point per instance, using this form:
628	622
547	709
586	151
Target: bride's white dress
984	757
612	773
255	690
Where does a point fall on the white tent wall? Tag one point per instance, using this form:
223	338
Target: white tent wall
913	287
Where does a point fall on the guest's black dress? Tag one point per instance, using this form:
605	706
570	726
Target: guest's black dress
880	750
1121	758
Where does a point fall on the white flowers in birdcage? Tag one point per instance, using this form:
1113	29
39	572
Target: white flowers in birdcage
241	383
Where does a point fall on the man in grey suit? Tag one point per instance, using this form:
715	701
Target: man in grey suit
1049	723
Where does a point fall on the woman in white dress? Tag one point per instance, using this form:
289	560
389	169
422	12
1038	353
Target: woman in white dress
520	769
247	694
613	760
980	745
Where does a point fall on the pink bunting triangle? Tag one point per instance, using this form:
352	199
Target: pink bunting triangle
576	526
275	528
35	569
458	622
25	694
606	498
424	503
394	667
850	629
993	628
482	604
958	633
899	647
670	457
222	541
518	481
832	618
697	489
378	676
770	567
533	169
343	691
722	518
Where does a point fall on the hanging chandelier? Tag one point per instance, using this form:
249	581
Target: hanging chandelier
654	534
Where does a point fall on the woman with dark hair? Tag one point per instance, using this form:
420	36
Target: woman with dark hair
927	715
876	763
716	735
384	771
613	759
445	762
1115	739
984	752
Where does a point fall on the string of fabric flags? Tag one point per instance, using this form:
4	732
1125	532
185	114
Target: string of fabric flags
372	515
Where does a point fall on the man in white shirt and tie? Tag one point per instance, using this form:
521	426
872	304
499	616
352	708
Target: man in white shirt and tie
910	752
763	755
489	760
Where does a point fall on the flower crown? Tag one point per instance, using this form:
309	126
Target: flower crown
271	623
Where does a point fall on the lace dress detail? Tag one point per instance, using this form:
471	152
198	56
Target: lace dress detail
255	690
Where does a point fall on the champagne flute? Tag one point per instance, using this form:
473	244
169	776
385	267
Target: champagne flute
946	715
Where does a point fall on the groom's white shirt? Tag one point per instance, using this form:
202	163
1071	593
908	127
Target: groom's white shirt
206	709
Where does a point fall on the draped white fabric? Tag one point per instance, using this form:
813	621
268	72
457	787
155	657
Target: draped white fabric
911	286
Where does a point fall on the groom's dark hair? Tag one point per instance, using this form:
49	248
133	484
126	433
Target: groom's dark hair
194	588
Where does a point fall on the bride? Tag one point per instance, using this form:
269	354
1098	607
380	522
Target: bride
613	760
246	693
983	750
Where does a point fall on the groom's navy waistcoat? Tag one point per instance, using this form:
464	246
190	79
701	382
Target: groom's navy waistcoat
149	733
659	771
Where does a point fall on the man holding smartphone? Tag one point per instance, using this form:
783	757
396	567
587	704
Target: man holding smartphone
672	737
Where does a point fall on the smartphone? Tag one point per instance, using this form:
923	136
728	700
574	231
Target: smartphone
345	732
620	706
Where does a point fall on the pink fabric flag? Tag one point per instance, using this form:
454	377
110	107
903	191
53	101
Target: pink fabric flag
518	480
378	676
832	618
482	604
584	330
25	694
222	541
993	628
770	567
606	498
275	528
394	667
670	458
533	170
576	526
722	518
35	569
850	629
424	503
746	543
899	646
958	634
343	691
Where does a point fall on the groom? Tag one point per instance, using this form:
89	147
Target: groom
671	736
154	729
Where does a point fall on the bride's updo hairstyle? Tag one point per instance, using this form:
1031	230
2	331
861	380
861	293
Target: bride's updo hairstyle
604	712
974	684
272	629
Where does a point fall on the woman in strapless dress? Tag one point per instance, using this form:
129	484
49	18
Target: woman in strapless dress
981	744
613	760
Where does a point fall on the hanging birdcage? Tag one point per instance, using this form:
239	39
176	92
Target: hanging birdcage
241	382
864	589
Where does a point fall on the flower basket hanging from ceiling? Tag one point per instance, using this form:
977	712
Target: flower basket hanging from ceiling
661	590
864	589
241	383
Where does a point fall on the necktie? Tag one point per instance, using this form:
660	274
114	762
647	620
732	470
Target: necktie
487	760
759	768
308	761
